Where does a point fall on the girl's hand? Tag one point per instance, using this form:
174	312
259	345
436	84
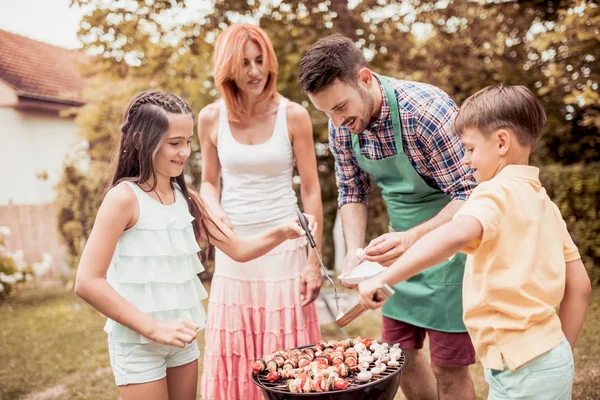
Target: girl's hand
367	291
293	229
176	332
225	219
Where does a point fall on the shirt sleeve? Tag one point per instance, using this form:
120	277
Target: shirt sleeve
569	248
353	183
443	148
485	205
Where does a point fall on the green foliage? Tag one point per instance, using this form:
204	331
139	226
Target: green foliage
576	191
571	78
77	204
460	46
530	43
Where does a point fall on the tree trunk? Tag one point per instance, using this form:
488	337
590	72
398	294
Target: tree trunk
343	20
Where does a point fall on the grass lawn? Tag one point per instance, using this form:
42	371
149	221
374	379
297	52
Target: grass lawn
52	347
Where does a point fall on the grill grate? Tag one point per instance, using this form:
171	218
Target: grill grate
280	385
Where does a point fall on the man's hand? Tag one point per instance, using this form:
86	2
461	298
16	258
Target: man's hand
310	284
388	247
350	262
367	290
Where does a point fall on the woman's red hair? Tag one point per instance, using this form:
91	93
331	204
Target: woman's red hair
228	62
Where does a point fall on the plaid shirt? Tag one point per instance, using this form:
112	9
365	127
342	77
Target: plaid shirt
435	152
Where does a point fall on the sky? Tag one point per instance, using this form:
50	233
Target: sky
50	21
55	22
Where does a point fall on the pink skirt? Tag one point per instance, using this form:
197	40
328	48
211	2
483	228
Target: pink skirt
254	309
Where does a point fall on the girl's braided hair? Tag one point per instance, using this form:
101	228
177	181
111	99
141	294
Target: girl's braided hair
145	123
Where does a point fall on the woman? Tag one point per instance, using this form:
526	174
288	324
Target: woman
252	137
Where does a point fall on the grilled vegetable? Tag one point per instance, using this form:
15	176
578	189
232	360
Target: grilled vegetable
259	366
272	365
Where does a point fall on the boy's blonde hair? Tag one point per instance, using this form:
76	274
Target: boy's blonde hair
514	108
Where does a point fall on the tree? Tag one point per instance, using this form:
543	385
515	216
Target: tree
459	45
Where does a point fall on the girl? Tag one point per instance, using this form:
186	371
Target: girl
252	137
145	241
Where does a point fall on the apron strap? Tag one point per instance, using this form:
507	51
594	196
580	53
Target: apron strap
392	100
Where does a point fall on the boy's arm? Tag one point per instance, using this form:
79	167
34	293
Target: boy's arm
575	301
432	249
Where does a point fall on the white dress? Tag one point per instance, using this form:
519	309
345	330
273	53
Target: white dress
255	307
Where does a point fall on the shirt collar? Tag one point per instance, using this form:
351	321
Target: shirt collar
526	172
385	109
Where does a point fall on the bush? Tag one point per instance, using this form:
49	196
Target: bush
13	268
576	191
77	203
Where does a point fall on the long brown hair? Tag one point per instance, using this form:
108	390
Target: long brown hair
145	123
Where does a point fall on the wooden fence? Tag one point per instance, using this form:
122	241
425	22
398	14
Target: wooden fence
34	231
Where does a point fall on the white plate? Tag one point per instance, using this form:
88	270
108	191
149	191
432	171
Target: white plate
364	270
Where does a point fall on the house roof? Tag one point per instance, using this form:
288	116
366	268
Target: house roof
40	71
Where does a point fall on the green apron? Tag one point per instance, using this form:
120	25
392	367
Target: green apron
433	298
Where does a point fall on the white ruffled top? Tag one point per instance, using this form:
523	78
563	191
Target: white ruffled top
155	266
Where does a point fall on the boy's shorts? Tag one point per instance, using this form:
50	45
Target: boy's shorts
141	363
446	349
548	376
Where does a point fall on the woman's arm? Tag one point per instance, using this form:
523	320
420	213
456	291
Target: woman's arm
119	211
301	132
210	188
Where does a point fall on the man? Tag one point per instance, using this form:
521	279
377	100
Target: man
399	132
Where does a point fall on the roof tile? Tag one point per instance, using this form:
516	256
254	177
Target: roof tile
41	70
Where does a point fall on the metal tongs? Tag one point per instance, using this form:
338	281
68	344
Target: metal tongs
311	240
383	293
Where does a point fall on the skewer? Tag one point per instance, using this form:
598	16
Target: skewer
312	243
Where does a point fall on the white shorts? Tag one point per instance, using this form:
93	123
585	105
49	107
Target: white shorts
141	363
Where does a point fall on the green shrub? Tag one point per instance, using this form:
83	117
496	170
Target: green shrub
77	203
576	191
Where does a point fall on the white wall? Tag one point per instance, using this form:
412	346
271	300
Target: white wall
32	142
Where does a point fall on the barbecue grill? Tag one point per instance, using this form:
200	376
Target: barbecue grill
381	387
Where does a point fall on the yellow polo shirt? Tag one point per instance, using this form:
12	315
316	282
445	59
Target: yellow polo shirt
515	274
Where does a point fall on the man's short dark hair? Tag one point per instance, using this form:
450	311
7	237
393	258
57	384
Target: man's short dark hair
332	58
514	108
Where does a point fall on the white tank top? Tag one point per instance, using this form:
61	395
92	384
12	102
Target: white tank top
257	179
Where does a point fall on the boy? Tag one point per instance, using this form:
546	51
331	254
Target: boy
517	245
